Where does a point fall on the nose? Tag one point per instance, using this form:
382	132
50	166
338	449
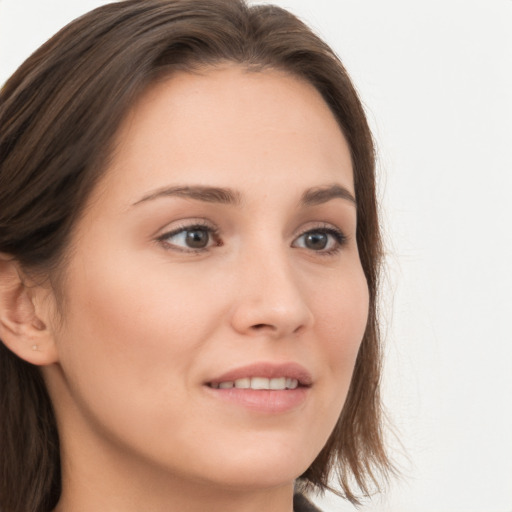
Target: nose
269	299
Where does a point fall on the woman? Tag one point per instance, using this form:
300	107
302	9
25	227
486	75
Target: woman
189	261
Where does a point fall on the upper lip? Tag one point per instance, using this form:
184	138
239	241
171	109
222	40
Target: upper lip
268	370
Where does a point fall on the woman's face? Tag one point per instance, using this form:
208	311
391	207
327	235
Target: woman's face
217	256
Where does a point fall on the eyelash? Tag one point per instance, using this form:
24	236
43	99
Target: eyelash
339	237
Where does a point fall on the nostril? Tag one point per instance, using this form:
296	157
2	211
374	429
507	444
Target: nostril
259	327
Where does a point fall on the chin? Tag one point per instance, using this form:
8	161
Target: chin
262	467
256	477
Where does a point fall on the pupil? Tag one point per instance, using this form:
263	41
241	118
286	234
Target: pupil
316	241
197	239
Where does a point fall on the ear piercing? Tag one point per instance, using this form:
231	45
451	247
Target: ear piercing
34	347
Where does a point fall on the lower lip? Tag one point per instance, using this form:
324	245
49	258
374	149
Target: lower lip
263	400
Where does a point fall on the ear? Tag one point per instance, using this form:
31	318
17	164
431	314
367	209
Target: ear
24	328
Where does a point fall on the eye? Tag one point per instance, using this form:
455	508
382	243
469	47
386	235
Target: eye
191	238
325	240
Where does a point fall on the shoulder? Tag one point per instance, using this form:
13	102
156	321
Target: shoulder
302	504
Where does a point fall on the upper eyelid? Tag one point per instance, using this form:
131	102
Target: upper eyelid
183	225
321	226
203	223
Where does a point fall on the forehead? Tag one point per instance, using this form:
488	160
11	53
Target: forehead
228	124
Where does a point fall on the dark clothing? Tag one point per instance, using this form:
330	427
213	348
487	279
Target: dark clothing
301	504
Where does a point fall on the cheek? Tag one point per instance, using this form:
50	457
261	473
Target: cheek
126	326
131	302
342	313
341	323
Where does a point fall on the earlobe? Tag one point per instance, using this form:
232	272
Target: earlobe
22	330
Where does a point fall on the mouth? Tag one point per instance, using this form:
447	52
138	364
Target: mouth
264	376
263	387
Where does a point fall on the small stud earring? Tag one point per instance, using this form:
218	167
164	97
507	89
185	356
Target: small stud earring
34	347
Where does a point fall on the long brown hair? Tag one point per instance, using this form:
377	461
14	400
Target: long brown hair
58	115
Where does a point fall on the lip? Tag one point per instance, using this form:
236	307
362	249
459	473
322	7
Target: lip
263	401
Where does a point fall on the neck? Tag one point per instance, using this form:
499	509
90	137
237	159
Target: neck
85	498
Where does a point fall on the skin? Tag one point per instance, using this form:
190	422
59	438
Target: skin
146	322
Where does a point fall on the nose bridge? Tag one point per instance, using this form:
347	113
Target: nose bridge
270	298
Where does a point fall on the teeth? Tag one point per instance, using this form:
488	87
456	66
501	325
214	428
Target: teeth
260	383
243	383
292	383
278	383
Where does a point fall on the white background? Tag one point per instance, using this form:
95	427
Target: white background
436	78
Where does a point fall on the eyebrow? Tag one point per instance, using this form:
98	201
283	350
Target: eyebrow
311	197
320	195
197	192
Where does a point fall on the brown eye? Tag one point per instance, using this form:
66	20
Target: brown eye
197	238
316	241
